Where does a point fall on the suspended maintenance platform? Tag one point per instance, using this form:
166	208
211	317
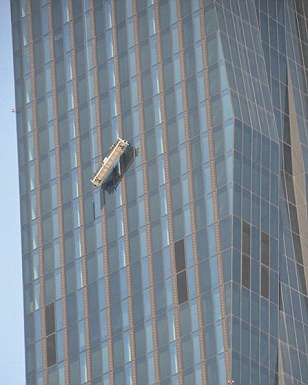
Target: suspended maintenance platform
114	166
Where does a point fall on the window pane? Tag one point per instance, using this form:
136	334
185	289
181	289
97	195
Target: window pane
51	350
264	249
182	287
264	281
245	270
179	255
246	238
50	318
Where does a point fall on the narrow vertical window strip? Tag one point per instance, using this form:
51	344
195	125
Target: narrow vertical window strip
190	185
79	181
215	199
109	356
145	187
168	191
123	190
38	194
59	197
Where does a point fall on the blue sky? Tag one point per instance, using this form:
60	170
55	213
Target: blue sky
11	307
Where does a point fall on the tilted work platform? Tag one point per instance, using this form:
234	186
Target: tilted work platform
117	149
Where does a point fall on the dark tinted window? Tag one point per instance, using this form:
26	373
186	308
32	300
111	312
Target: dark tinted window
50	318
264	281
179	255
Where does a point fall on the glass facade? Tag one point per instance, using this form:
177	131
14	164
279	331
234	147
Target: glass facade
194	270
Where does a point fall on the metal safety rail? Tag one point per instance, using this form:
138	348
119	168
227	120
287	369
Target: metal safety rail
117	149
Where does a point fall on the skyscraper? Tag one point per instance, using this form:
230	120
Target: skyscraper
194	269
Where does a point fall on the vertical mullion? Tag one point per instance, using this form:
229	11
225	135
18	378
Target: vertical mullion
190	189
38	195
124	200
59	195
79	176
215	198
103	214
169	199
